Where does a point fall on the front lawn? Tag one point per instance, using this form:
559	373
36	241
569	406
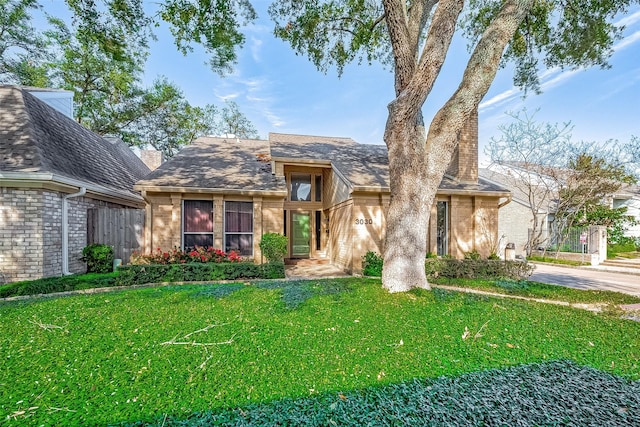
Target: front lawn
143	354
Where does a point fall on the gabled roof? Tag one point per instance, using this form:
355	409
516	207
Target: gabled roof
243	165
362	165
37	139
518	187
230	164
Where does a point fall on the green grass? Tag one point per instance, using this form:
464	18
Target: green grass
539	290
101	358
553	260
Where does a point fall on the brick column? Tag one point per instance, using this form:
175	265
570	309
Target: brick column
218	221
257	228
176	216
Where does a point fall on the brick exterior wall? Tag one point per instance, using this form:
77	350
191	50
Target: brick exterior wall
368	224
31	233
341	235
464	163
166	219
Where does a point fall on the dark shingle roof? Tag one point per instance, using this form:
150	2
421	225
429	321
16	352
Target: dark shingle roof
37	138
219	163
230	164
363	165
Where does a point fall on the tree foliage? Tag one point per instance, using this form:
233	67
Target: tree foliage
573	181
417	35
21	47
100	56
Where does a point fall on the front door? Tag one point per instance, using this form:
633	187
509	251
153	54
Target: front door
300	234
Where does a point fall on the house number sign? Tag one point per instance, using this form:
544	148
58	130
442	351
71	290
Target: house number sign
364	221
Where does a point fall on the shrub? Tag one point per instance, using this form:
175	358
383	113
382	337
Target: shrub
99	258
473	255
468	268
273	246
372	264
481	269
58	284
177	256
197	272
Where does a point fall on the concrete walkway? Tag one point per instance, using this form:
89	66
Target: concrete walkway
309	271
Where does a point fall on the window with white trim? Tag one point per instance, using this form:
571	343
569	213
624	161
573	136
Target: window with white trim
238	227
197	223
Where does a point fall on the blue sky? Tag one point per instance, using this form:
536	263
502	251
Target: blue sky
282	92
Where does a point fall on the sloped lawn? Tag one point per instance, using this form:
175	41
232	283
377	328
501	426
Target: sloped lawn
147	354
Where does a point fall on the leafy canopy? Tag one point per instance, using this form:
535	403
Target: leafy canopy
554	33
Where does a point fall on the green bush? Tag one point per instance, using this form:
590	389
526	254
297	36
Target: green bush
482	269
473	255
372	264
616	248
471	267
273	246
99	258
197	272
58	284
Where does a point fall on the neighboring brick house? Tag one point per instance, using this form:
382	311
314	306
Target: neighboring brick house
328	195
515	220
52	168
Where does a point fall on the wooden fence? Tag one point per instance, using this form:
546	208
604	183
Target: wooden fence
123	229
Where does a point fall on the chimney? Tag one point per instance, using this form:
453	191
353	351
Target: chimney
464	162
152	158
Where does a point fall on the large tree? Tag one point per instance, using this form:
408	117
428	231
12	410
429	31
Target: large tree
100	55
417	34
21	47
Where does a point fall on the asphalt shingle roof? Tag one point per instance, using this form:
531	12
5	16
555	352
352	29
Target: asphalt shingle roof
219	163
37	138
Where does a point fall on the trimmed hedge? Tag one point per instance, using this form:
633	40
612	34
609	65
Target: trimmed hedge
478	269
468	268
197	272
58	284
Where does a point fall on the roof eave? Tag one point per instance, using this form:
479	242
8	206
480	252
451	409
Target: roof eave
22	178
204	190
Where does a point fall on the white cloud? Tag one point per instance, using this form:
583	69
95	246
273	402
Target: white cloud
629	20
256	49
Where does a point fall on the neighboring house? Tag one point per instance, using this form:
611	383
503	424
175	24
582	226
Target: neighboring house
515	220
61	187
328	195
629	197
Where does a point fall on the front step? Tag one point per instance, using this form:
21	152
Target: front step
306	261
632	263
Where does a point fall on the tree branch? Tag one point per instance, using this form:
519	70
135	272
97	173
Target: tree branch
404	57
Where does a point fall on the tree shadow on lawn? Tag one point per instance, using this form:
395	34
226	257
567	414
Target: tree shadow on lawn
294	292
553	393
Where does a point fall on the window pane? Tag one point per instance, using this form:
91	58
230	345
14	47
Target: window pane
238	217
300	188
318	188
318	229
198	216
242	243
193	240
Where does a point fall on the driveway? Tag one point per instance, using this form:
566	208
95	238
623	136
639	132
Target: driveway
584	278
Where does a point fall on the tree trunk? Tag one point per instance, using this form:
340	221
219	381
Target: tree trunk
411	198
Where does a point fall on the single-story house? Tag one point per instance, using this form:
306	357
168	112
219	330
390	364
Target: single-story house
61	188
328	195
